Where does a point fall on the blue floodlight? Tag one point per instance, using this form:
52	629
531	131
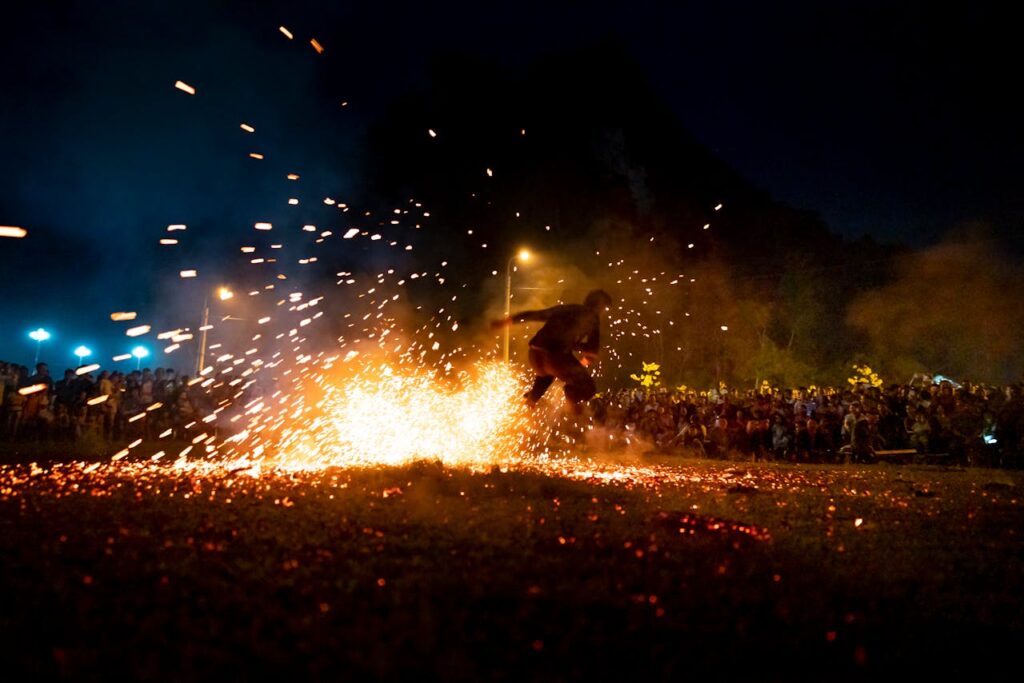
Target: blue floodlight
139	352
82	351
39	336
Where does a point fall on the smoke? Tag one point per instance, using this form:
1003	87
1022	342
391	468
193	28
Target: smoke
953	309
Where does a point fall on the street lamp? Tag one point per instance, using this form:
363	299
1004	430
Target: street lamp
82	352
223	293
139	352
39	335
523	255
720	359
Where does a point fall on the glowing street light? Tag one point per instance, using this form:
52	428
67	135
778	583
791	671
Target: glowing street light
523	256
82	352
39	336
223	293
139	352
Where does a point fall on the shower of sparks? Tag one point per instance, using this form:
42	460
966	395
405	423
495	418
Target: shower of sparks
380	413
388	392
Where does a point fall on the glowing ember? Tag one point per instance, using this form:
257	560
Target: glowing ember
185	87
123	315
12	231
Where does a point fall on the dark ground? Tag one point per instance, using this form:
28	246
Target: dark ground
425	572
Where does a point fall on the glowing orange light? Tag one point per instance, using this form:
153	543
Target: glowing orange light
25	391
12	231
185	87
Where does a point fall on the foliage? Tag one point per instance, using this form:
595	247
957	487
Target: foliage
863	374
953	309
649	376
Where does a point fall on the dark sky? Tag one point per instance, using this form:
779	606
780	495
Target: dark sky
893	120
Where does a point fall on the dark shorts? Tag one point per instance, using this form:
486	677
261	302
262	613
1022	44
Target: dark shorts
551	365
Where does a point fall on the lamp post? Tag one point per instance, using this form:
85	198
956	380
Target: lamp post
82	352
721	355
223	293
39	335
523	255
139	352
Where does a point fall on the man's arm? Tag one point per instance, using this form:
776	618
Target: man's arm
523	317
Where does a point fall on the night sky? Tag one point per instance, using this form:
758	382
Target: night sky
892	120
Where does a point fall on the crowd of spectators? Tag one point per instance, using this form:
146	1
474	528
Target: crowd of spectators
112	405
967	424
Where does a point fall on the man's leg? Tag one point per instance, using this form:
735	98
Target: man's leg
540	385
543	377
579	385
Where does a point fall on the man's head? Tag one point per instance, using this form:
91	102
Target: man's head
597	300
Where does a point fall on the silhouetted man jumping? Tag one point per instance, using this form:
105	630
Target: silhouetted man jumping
567	328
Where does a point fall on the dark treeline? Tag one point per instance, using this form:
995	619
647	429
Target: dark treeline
588	166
